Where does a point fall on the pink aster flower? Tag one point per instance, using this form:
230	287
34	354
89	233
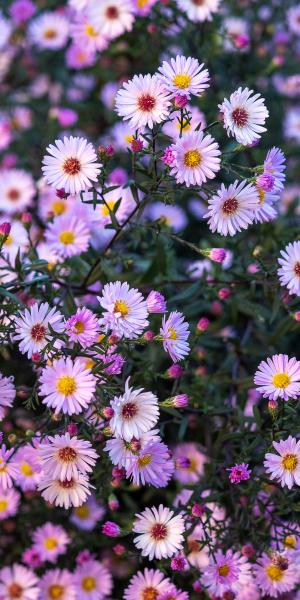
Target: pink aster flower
57	583
146	583
197	158
67	493
227	572
232	209
67	386
244	115
284	466
169	157
7	394
193	465
29	468
68	236
32	329
83	327
135	413
173	594
18	582
143	101
88	514
184	76
239	473
160	533
289	271
121	452
31	558
125	310
9	503
175	332
275	574
92	580
278	377
79	57
8	469
50	541
64	457
152	465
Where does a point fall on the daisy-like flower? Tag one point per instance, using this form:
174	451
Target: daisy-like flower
173	594
274	165
67	386
7	394
146	584
232	209
88	514
92	580
184	76
275	574
68	236
49	31
153	465
125	310
244	115
190	463
71	165
84	34
265	211
29	468
16	190
8	469
111	18
57	583
175	332
197	158
64	457
18	582
278	377
9	503
172	216
122	452
159	532
135	413
83	327
32	328
228	572
284	466
143	101
50	541
239	473
101	213
67	493
17	241
199	10
289	271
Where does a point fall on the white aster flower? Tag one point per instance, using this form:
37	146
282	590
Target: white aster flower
18	582
49	31
289	271
159	532
232	209
16	190
17	241
184	76
284	466
111	18
64	457
135	413
143	101
199	10
278	377
32	328
244	115
125	310
197	158
66	493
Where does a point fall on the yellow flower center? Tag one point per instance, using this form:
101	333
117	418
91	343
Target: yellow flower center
58	207
144	460
55	591
290	541
129	138
3	505
185	125
142	3
26	469
182	81
223	570
172	334
90	31
281	380
82	512
290	462
261	195
66	237
274	572
192	159
121	307
79	326
66	385
89	363
50	543
105	208
3	469
88	584
8	240
49	34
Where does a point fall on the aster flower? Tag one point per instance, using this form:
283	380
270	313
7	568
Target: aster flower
156	302
244	115
197	158
83	327
274	165
9	503
32	329
121	452
5	31
125	310
111	18
16	190
153	465
265	211
228	572
278	377
57	583
199	10
232	209
18	582
71	165
68	236
289	271
274	576
175	332
171	215
159	532
148	583
7	394
293	17
84	34
50	541
67	493
143	101
284	466
92	580
135	413
16	242
184	76
192	468
88	514
29	468
173	594
239	473
49	31
64	457
8	469
67	386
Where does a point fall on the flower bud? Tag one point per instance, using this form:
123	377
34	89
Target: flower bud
224	293
108	412
203	324
248	551
175	371
178	563
148	336
156	302
215	254
198	509
111	529
180	101
4	230
136	145
119	549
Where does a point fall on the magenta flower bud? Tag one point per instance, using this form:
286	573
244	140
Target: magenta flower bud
224	293
118	472
278	60
109	150
108	412
148	336
136	145
180	401
26	218
83	556
217	254
203	324
297	316
61	193
21	11
178	563
175	371
36	357
198	510
181	101
169	157
32	559
182	462
111	529
265	181
72	429
113	339
239	473
5	229
156	302
113	504
197	587
253	268
248	551
241	41
119	549
272	405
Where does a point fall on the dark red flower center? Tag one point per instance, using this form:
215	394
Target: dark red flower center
230	206
67	484
112	12
129	410
297	269
13	194
159	532
15	590
146	102
38	332
67	454
240	117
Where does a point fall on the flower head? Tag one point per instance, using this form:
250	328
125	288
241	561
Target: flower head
111	18
57	583
184	76
159	532
175	332
18	582
239	473
125	310
278	377
228	572
232	209
143	101
135	413
7	394
32	328
16	191
197	158
199	10
284	466
92	580
50	541
64	457
289	271
83	327
275	577
66	493
152	465
68	236
244	115
146	584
